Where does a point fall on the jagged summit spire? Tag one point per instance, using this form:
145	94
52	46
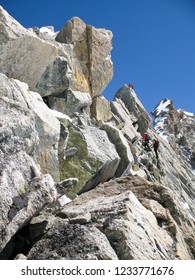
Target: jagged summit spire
176	127
162	106
160	114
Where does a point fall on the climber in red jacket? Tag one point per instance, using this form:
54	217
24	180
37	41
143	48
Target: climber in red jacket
130	86
146	140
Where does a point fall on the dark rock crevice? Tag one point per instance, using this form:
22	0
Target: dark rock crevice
23	240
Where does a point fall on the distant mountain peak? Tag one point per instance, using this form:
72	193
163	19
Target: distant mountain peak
176	127
163	106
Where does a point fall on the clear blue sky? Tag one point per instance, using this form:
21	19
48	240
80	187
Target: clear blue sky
153	41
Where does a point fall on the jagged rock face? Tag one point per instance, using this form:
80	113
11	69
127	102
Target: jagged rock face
27	124
125	121
78	61
92	151
82	66
122	147
10	28
55	79
23	199
92	69
25	54
96	245
75	32
71	103
97	156
165	113
128	228
177	127
101	70
29	134
135	107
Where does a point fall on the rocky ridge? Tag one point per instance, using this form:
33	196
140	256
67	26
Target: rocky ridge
73	172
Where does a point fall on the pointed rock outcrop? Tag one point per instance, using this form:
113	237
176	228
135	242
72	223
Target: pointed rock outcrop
135	107
92	68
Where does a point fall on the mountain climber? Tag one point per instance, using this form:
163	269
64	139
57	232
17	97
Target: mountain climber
155	146
131	86
146	140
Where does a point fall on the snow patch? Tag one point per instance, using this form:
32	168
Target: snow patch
162	107
186	113
186	206
47	29
159	120
159	127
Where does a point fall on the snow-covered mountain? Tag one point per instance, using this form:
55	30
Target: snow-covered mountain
176	127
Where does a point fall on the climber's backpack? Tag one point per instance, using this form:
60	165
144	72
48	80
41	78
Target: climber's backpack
146	137
156	144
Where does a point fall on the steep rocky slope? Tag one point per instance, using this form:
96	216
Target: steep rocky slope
75	181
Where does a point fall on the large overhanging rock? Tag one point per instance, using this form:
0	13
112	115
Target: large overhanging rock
92	68
100	64
79	60
135	107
